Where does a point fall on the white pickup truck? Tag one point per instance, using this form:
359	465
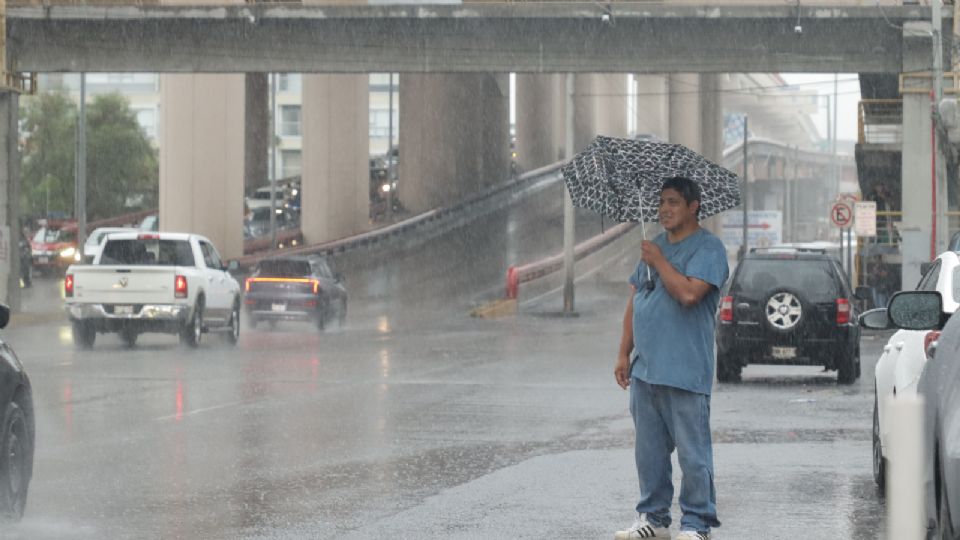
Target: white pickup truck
153	282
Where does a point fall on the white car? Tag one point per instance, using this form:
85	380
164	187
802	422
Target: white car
261	198
92	245
153	282
899	367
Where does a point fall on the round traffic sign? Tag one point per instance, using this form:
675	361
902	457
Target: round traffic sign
841	214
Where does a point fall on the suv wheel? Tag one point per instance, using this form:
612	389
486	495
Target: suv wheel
728	369
879	463
783	310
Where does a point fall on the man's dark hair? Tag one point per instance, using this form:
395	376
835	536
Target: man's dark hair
687	188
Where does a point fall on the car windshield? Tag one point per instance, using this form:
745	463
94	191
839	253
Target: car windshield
284	268
148	252
814	278
265	195
50	236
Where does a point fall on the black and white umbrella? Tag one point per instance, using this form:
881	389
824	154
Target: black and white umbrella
622	179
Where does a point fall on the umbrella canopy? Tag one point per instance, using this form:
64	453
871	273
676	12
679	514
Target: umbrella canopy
622	178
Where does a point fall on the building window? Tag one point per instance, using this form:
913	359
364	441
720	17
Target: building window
290	163
147	118
288	82
290	120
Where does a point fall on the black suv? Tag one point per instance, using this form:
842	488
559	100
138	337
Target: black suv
788	307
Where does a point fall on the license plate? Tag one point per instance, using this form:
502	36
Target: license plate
784	353
279	307
43	260
123	310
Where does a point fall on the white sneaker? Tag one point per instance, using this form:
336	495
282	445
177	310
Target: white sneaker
693	535
642	528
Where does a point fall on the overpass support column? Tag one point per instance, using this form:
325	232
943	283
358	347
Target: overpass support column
202	158
336	154
653	105
696	121
454	137
916	187
9	200
540	125
610	98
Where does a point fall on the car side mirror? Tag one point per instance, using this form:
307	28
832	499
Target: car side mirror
875	319
4	315
916	310
233	266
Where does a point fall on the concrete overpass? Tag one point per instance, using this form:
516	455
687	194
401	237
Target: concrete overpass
474	37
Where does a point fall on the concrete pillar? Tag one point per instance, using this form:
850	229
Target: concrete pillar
9	201
257	131
584	115
696	120
611	104
202	158
454	137
540	130
917	190
336	154
653	105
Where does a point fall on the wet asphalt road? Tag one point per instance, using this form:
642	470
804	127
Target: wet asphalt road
416	421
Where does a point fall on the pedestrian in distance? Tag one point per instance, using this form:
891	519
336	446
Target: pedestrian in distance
666	360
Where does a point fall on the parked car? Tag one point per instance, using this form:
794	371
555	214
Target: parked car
261	198
258	222
295	289
922	311
153	282
17	431
54	247
150	223
788	307
92	245
899	367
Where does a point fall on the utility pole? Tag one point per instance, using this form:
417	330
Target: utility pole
568	215
273	159
743	191
939	205
80	188
390	168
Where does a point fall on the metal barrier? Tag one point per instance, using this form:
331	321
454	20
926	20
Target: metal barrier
437	217
538	269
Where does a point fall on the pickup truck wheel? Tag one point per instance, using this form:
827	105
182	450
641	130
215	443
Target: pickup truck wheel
190	334
15	468
84	335
129	337
233	336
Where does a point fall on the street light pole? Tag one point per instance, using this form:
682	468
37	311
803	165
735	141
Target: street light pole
80	190
743	191
568	215
273	158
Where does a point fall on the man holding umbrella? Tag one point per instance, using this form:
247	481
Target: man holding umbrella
668	330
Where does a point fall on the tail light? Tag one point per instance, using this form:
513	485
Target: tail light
316	286
843	311
930	343
246	285
180	287
68	285
726	309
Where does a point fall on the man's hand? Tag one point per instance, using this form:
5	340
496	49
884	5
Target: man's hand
650	254
622	371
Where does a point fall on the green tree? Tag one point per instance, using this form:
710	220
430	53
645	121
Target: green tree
122	166
49	126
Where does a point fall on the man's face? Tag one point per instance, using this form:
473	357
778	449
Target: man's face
674	210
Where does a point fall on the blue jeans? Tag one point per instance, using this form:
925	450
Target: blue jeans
666	418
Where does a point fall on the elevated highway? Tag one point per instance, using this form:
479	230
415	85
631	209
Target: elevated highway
472	37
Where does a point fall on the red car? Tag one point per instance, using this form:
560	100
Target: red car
54	247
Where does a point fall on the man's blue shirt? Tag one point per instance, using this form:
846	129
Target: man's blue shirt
674	344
